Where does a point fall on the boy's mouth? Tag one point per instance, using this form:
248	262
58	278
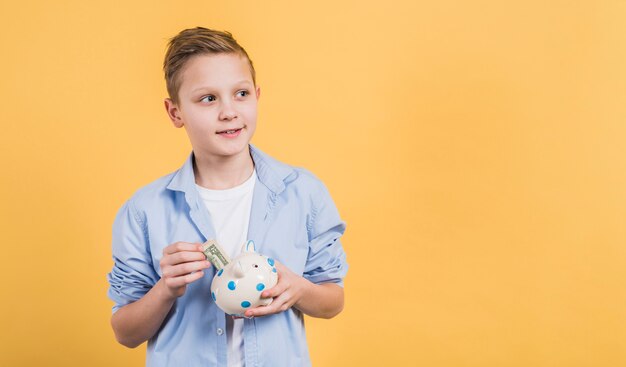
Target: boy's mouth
230	132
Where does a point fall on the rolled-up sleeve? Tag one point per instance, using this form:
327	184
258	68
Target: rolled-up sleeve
326	262
133	274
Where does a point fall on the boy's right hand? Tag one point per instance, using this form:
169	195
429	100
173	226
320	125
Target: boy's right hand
182	263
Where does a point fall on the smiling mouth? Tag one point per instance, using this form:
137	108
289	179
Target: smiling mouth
232	131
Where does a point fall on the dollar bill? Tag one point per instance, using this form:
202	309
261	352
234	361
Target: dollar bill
215	254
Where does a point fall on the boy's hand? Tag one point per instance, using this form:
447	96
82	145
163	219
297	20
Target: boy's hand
286	293
182	263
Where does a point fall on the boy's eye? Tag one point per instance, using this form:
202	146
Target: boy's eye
208	99
242	93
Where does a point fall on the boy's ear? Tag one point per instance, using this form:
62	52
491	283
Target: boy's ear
173	112
258	92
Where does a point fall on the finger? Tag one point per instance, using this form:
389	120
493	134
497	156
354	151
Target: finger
177	282
181	246
190	278
279	266
182	257
276	290
261	310
185	268
278	305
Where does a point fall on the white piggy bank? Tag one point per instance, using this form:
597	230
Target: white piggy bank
238	286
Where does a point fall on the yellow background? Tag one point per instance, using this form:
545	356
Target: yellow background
475	149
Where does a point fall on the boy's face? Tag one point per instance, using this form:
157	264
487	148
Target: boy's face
217	105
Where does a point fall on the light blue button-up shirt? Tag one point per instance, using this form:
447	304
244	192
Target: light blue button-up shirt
293	219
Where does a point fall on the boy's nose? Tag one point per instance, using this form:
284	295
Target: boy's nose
227	113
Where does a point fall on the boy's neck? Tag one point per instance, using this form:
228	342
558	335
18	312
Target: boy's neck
221	173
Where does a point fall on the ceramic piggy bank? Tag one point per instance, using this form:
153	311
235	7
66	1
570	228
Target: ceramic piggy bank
238	286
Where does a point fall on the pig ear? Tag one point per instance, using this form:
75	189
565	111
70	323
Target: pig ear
249	246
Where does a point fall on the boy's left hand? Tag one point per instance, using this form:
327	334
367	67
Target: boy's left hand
286	293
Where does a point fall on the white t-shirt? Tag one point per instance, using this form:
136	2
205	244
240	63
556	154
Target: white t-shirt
230	214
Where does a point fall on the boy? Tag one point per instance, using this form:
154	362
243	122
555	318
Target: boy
231	191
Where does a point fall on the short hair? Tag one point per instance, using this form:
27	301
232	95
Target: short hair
193	42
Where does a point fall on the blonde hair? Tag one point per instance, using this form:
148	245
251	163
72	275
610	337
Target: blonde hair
193	42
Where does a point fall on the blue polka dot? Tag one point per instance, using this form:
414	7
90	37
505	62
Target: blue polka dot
245	304
219	273
231	285
273	270
270	261
260	287
213	296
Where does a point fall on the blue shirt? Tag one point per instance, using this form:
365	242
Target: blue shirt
293	219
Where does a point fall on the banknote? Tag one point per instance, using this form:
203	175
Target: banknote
215	254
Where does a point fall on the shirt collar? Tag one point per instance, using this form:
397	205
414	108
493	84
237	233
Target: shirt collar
270	172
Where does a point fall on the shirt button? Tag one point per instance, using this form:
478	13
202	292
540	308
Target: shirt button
220	331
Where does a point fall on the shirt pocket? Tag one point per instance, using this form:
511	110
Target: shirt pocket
163	235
